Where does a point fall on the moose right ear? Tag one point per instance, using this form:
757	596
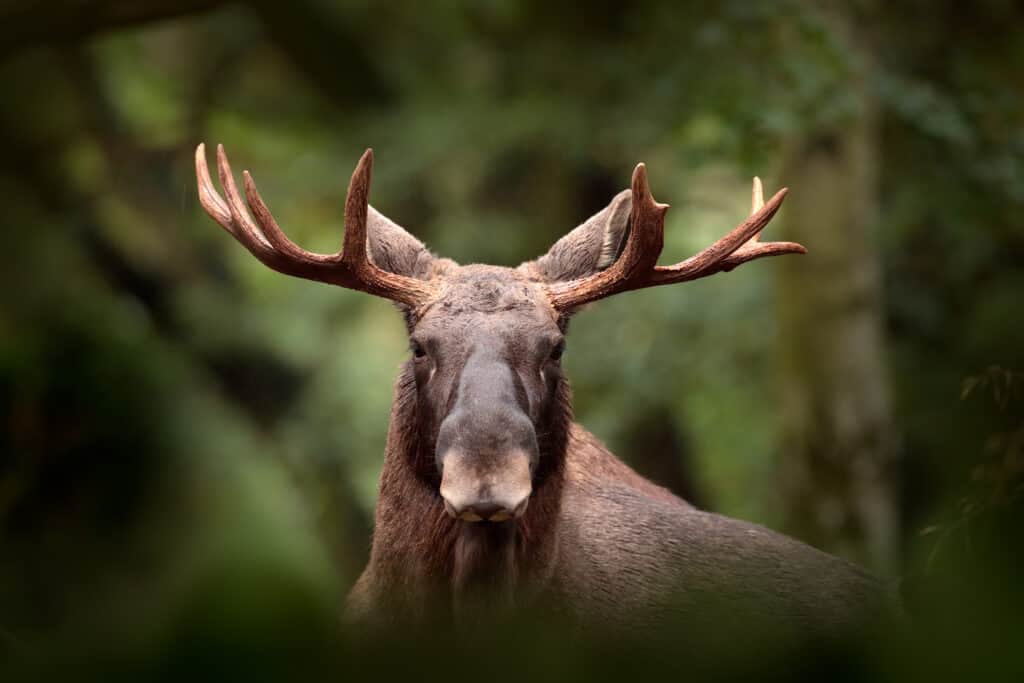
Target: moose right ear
393	249
591	247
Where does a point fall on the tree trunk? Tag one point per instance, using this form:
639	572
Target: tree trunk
837	477
659	450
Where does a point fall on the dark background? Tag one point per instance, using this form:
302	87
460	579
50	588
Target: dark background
191	442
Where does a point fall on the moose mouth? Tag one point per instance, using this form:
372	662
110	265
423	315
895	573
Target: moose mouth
486	512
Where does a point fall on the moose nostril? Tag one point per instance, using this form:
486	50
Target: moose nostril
486	510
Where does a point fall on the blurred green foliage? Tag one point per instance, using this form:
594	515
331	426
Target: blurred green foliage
191	442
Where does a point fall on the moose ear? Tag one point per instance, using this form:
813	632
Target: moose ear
591	247
393	249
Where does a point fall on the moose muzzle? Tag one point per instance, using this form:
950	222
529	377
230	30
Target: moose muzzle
487	445
485	489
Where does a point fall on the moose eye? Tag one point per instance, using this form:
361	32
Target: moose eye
556	353
417	350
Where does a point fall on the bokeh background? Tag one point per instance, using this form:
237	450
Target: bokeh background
191	442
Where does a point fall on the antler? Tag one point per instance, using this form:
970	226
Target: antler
637	267
351	267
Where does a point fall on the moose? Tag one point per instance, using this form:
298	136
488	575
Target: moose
491	496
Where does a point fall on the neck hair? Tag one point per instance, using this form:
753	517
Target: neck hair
420	550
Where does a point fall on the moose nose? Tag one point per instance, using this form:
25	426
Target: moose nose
490	512
484	486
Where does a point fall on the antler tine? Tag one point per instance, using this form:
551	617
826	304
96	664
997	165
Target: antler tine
639	256
353	251
754	248
239	213
208	196
706	262
354	257
224	215
646	237
234	217
636	268
273	233
351	267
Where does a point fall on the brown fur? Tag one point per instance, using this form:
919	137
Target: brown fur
420	555
611	548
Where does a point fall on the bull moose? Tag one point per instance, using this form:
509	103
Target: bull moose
490	495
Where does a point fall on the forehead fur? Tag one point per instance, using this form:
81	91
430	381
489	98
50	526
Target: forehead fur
490	289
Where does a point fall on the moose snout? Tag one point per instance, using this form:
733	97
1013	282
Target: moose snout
495	491
486	445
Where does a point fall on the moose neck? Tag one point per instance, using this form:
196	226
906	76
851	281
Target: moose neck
418	548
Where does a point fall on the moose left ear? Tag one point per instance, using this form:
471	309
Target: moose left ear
591	247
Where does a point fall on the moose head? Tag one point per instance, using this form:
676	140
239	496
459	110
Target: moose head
486	341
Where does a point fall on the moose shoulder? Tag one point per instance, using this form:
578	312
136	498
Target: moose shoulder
490	495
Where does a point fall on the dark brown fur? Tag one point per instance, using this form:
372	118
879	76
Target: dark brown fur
416	557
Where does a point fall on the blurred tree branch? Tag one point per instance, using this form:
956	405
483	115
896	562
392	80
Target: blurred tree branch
332	55
24	23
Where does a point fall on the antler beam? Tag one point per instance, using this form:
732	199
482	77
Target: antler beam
350	267
637	267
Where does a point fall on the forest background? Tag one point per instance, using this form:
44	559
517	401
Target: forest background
191	442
